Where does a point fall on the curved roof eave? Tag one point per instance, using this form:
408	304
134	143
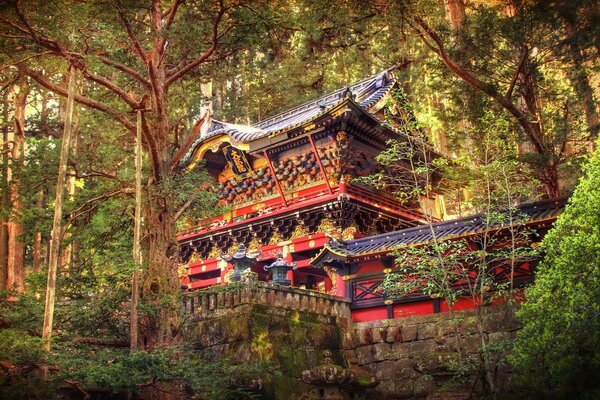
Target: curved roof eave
374	90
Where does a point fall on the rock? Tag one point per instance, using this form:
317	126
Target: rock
427	331
364	355
409	333
350	357
393	335
381	351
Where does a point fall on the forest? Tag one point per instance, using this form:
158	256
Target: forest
99	98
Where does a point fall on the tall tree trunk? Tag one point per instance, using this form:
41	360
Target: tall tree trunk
37	240
66	258
581	82
16	271
58	213
4	197
455	13
137	251
161	285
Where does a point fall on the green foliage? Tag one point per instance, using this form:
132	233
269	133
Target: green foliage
558	349
117	369
188	374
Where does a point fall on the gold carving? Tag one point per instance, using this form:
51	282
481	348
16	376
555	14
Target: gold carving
299	231
348	233
195	257
253	245
312	244
214	252
327	226
332	274
275	238
227	276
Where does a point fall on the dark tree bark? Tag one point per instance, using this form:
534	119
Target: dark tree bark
4	198
581	81
526	116
16	252
160	283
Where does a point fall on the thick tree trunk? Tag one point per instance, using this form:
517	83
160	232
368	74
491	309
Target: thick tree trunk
161	286
16	252
455	13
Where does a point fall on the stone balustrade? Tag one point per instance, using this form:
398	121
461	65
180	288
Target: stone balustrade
211	301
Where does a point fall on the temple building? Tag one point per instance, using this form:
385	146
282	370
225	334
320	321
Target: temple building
295	214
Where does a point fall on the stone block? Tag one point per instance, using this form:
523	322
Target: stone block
393	335
404	369
403	389
501	320
378	334
347	341
364	355
431	364
409	333
424	386
471	344
381	351
362	336
421	348
400	350
388	370
426	331
350	357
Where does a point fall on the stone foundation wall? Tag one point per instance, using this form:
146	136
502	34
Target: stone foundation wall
416	357
413	357
290	328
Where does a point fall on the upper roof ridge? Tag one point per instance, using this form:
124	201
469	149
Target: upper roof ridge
357	88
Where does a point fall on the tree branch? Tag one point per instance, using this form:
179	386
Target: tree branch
128	70
171	12
214	43
490	90
515	76
97	105
84	208
108	84
79	388
134	40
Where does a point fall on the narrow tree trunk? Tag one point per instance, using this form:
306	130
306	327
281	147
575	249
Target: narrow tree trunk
137	252
581	83
15	267
37	240
4	198
66	258
57	223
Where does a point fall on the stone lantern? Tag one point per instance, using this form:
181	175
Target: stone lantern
334	382
279	269
240	260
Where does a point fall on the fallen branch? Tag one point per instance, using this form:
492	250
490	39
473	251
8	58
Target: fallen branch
76	385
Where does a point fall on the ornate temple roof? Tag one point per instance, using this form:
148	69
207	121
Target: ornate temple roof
366	94
472	225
